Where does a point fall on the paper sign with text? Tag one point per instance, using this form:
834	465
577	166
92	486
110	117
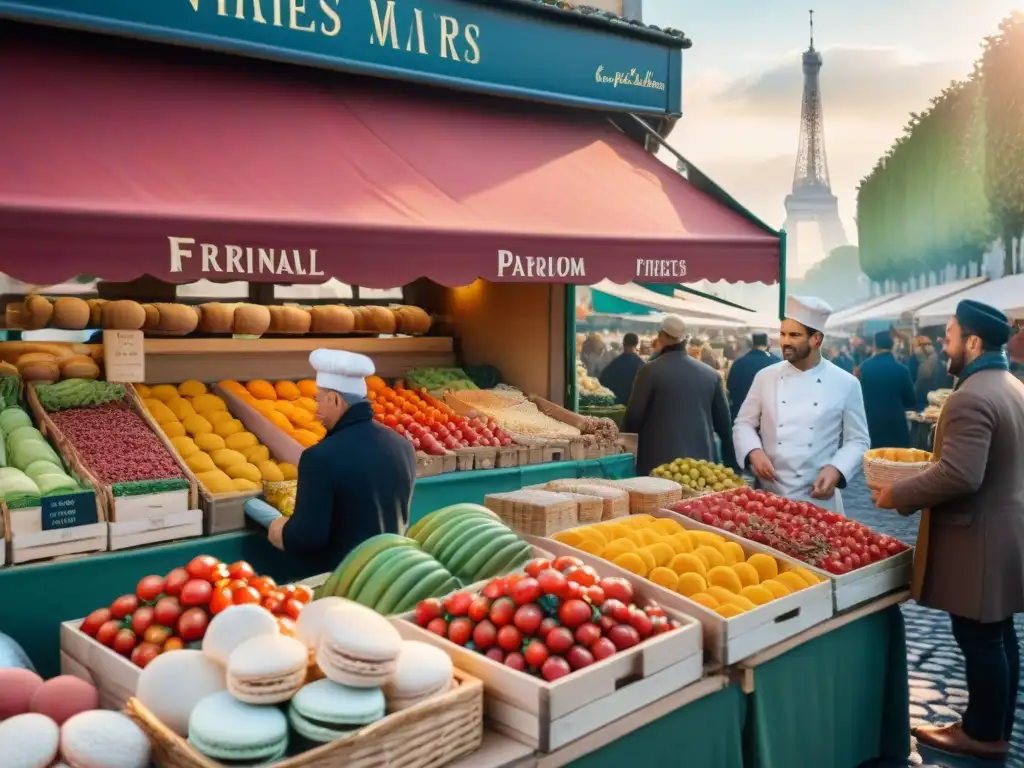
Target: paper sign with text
69	510
124	356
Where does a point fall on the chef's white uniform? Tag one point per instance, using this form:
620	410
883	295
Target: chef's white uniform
804	421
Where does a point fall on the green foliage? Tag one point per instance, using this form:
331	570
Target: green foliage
954	181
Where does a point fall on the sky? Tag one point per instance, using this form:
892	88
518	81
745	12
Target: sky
742	83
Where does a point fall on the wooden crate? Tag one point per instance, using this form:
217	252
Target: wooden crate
153	530
427	465
849	590
546	716
27	542
114	676
728	641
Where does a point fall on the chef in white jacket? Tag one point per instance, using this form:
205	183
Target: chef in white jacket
802	429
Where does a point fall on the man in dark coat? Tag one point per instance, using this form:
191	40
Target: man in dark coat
743	370
678	405
620	373
355	483
970	549
888	395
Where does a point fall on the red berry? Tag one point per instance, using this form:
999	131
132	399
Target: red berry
428	610
438	626
509	638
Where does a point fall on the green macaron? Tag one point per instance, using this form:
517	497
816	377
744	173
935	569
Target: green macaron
324	711
225	729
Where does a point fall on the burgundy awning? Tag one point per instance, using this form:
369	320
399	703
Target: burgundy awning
123	161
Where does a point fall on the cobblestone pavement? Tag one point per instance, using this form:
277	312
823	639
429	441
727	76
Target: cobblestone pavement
938	690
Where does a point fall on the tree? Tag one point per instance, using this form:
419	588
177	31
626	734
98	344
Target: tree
1002	71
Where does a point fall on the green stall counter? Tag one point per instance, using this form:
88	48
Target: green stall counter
35	599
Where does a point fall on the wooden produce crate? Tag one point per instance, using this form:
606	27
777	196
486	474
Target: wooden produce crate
282	447
222	512
546	716
849	590
150	530
28	542
728	641
114	676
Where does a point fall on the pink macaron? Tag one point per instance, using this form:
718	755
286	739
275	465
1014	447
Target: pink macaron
17	686
63	697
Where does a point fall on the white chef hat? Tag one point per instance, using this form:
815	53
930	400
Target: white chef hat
341	371
673	326
810	311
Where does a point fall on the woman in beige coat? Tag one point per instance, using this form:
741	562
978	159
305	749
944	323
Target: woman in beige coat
970	553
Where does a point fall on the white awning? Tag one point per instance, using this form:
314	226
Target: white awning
1005	294
837	318
902	308
695	307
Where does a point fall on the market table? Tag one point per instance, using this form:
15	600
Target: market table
35	599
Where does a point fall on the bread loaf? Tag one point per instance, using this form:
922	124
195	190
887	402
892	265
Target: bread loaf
251	319
290	320
360	319
79	367
381	320
412	320
37	314
70	313
177	319
215	317
96	311
331	318
38	366
123	315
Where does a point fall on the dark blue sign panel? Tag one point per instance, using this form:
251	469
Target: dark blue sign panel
69	510
453	43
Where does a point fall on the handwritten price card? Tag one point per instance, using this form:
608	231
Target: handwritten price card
124	356
69	510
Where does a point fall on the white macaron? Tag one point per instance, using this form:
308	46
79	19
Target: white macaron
422	671
173	683
234	626
29	741
310	624
103	739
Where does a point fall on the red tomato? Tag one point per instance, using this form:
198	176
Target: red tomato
573	613
509	638
273	604
496	654
202	566
222	599
192	625
438	626
95	620
263	585
245	595
156	635
641	622
460	631
594	595
167	610
288	590
292	609
536	654
535	566
142	619
173	644
108	631
124	642
196	592
485	635
527	620
428	610
573	590
565	562
602	648
511	580
175	581
241	570
555	668
479	608
560	640
288	627
583	575
553	582
579	657
516	660
219	573
503	611
587	634
546	625
624	636
458	604
525	591
149	588
303	594
494	589
144	653
124	606
617	588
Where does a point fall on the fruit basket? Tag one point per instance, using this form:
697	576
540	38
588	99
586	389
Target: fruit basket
548	715
884	466
761	518
729	635
432	733
699	477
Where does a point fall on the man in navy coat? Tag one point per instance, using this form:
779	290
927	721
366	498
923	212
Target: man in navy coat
888	395
743	370
355	483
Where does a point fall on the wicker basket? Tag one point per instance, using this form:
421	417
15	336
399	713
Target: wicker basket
430	734
614	500
533	511
647	494
879	472
589	508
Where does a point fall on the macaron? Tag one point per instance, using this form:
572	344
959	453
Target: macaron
17	686
173	683
267	669
29	741
226	730
310	623
325	711
63	697
233	626
103	739
358	647
422	671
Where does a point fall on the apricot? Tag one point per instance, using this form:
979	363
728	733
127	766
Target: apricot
725	577
662	553
664	577
767	567
632	562
690	583
688	563
747	573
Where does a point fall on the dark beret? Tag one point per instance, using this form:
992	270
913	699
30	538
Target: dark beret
883	340
984	321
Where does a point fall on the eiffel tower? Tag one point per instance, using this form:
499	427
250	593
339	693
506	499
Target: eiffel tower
811	201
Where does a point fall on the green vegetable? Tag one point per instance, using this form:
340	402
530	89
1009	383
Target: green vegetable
17	489
42	467
146	487
10	391
591	399
432	379
25	447
77	393
55	483
12	418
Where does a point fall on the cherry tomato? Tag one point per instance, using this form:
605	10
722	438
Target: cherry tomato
245	595
428	610
587	634
573	590
458	604
303	594
546	625
263	585
156	635
496	654
95	620
202	566
479	608
503	610
573	613
602	648
219	573
196	592
241	570
485	635
536	654
617	588
583	575
594	595
509	638
124	642
565	562
142	619
222	599
192	625
494	589
438	626
124	606
288	627
144	653
623	636
108	631
173	644
149	588
511	580
553	582
292	609
175	581
274	605
554	668
527	620
535	566
460	631
166	611
525	591
516	660
288	590
641	622
560	640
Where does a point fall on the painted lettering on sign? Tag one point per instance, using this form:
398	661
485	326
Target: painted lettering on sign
632	78
513	265
243	260
455	42
661	267
293	14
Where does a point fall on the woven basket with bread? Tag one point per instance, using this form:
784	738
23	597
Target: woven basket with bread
884	466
